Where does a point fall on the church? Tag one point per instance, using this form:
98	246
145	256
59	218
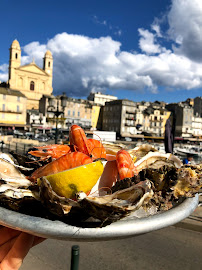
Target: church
30	79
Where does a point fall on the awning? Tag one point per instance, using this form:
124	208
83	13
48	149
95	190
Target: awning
13	125
179	139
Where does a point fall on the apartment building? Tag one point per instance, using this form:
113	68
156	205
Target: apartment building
120	116
73	111
183	113
142	119
100	98
12	109
198	106
155	116
197	126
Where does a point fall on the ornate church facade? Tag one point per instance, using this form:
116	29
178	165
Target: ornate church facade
30	79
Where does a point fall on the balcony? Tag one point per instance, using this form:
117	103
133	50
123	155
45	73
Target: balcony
130	112
130	118
53	119
132	124
11	111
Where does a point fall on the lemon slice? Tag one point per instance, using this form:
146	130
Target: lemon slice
82	178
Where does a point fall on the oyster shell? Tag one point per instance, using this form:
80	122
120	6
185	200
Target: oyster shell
189	181
152	157
56	204
110	208
17	198
171	181
16	192
113	148
10	174
141	151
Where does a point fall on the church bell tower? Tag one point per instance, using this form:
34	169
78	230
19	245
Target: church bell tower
15	59
48	63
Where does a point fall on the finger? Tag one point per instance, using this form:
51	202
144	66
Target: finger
14	258
5	248
6	234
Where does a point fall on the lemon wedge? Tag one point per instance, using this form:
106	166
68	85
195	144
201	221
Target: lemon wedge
82	178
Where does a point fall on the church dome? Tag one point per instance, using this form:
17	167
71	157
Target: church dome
48	53
15	44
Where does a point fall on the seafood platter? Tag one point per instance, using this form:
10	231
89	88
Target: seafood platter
91	190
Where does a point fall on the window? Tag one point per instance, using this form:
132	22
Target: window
48	64
32	85
3	107
73	113
16	56
78	113
69	113
18	98
18	108
4	97
3	115
20	82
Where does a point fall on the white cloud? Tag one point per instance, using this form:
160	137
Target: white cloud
185	21
83	64
156	27
147	42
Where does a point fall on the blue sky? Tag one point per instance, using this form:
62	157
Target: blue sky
141	50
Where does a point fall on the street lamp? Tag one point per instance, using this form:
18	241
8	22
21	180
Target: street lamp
63	101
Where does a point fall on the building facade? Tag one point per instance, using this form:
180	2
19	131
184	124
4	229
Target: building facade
196	126
100	98
183	113
155	116
30	79
12	109
75	111
198	106
120	116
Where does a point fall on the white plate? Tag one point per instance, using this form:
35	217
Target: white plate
120	229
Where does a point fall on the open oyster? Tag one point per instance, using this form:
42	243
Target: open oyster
110	208
113	148
16	192
142	150
189	181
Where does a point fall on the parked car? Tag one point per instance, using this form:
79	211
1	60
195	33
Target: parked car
18	134
51	136
29	135
42	138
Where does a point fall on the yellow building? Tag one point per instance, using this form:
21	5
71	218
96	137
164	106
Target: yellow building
12	109
156	116
96	114
30	79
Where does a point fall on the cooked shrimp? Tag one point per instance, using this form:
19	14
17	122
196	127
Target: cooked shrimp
125	164
53	150
96	149
77	137
68	161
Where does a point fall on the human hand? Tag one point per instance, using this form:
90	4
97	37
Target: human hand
14	246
